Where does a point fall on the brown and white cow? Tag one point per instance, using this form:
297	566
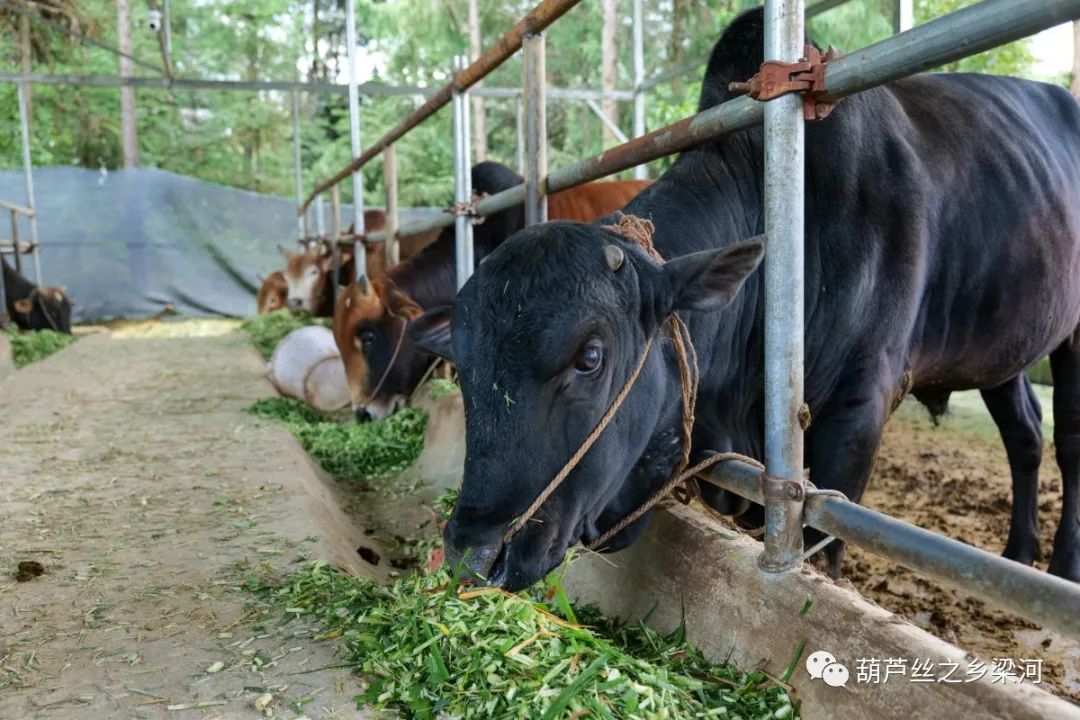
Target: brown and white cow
370	320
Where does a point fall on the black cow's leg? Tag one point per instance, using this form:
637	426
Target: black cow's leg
841	446
1065	365
1016	412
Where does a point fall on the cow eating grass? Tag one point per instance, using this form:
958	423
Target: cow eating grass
942	254
381	363
35	308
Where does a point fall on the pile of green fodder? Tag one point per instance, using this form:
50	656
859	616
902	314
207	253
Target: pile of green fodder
350	451
266	331
426	647
30	347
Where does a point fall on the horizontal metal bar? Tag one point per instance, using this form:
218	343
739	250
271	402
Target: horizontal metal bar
547	12
1045	599
948	38
368	88
15	207
21	9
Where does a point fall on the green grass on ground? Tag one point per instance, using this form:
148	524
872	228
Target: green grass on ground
347	450
30	347
266	331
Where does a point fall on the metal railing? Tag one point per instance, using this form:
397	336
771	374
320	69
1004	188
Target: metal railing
789	505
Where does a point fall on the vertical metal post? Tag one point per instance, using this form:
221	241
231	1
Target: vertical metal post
393	252
298	173
463	230
15	240
641	171
166	27
354	134
28	170
320	217
535	84
903	15
519	132
335	235
784	211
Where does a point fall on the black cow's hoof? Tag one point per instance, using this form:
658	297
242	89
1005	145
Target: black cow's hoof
1024	551
1065	561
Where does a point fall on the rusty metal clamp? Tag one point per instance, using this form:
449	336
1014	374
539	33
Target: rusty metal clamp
469	208
806	77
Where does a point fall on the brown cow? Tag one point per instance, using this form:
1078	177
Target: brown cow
273	293
371	318
307	273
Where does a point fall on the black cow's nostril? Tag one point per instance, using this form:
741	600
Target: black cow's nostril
362	415
295	303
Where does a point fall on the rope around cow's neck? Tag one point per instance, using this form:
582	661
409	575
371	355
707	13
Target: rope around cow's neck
393	358
641	231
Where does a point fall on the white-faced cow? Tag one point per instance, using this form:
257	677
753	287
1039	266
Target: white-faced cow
33	307
382	365
942	254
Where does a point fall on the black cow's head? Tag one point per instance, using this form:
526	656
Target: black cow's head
545	335
45	308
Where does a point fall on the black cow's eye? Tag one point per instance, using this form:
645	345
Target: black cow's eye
590	357
367	338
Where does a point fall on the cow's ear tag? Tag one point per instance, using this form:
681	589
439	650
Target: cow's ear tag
614	256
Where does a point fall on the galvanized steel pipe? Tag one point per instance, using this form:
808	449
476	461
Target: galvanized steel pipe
463	230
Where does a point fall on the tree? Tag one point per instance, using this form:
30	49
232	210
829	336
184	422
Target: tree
128	134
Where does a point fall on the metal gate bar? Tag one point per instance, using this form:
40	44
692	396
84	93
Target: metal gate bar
547	12
1043	598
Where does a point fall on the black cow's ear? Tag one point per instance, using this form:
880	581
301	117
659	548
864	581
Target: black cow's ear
710	279
431	332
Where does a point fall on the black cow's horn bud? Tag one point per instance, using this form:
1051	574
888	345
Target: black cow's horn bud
614	256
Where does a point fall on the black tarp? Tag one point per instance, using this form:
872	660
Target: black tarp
127	243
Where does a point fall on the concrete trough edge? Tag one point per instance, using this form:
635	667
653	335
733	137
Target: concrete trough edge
688	563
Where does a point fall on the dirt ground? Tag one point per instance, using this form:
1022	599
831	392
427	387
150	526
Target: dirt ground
954	479
130	473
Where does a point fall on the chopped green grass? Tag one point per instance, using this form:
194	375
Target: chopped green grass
441	387
425	648
266	331
350	451
30	347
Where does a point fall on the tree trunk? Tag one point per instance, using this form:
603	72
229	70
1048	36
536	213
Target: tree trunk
609	59
129	139
479	125
680	9
26	61
313	74
1074	87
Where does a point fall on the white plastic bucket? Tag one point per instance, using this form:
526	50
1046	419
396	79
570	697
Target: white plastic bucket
306	365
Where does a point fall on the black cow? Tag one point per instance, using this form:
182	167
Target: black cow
34	308
941	254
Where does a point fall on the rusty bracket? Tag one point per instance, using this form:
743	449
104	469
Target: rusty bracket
806	77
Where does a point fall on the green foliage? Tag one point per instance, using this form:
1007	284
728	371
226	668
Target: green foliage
30	347
441	387
266	331
351	451
427	649
244	139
